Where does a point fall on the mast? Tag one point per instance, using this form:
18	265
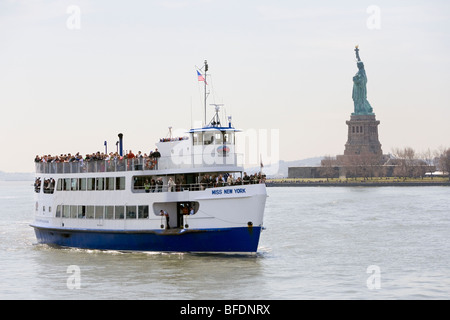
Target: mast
206	69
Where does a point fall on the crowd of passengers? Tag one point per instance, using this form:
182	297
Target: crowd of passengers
228	180
207	181
149	161
173	139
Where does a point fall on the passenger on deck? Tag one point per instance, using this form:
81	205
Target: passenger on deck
230	180
156	155
165	214
220	181
170	185
211	181
147	186
159	185
204	183
246	178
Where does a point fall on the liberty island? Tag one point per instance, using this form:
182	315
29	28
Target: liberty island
363	156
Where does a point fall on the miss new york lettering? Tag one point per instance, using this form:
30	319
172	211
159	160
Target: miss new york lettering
227	191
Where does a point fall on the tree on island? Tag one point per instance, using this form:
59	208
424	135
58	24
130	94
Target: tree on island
444	162
328	167
429	158
405	162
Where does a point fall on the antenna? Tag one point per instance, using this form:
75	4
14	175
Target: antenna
216	119
169	134
191	111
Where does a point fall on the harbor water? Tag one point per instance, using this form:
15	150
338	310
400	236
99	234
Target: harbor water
319	243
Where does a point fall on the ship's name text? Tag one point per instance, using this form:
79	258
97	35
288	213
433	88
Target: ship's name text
227	191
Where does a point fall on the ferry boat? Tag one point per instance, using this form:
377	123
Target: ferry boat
189	196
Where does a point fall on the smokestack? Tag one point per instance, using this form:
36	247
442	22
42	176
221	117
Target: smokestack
120	144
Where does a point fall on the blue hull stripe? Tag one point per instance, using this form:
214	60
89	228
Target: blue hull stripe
174	240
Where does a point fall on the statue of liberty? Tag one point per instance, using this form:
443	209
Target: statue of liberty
362	106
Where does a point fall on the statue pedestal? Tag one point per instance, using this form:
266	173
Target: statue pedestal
363	136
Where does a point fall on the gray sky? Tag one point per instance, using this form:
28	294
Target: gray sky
70	80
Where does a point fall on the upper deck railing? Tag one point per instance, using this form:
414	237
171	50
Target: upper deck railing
138	164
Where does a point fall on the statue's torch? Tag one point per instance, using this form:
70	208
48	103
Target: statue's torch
357	53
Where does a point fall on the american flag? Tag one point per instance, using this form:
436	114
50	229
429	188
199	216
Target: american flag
200	77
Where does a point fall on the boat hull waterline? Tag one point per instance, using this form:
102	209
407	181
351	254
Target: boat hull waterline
225	240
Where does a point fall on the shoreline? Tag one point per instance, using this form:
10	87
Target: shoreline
356	184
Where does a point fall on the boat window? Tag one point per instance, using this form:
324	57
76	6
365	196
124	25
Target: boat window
81	212
74	184
109	212
120	183
90	212
228	138
197	138
142	212
119	212
82	184
99	212
67	184
208	138
66	211
109	183
59	185
99	184
37	185
131	212
49	185
218	137
73	212
90	184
